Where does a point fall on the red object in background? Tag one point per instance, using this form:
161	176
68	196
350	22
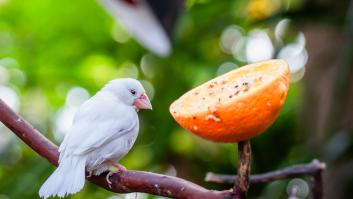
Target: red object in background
132	2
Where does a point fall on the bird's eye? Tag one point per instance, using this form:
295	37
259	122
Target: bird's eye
133	91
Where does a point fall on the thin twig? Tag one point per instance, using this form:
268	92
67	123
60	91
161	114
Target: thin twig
310	169
242	183
124	182
313	169
317	185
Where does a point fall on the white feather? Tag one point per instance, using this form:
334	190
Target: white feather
68	178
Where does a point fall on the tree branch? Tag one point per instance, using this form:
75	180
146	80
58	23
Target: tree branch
124	182
317	188
313	169
289	172
242	183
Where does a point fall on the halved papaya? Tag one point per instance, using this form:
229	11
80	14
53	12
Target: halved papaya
235	106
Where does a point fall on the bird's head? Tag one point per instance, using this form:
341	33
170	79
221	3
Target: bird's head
129	91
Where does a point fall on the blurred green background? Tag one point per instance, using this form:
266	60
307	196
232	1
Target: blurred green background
55	54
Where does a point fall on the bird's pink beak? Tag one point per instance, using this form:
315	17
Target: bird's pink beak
143	102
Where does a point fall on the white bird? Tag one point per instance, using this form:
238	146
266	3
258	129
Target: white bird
103	131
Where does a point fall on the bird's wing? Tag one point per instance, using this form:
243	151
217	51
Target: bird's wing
96	122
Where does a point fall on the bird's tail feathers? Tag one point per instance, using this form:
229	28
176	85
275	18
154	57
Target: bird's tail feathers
68	178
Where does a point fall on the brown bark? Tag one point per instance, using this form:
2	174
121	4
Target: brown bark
242	183
313	169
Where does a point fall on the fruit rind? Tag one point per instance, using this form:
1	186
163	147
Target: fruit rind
242	117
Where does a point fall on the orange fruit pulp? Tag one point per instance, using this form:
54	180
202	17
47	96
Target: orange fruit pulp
235	106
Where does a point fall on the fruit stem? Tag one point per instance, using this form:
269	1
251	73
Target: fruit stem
244	160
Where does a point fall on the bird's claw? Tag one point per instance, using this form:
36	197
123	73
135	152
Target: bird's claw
120	168
107	179
89	174
112	173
